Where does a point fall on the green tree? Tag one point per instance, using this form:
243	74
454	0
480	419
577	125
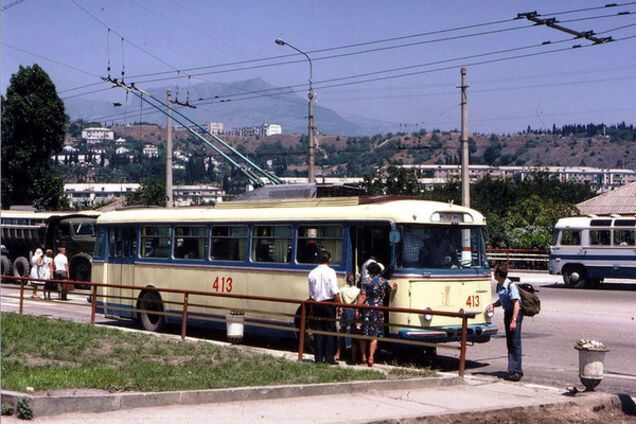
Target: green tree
151	193
33	124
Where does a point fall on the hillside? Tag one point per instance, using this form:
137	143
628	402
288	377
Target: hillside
351	155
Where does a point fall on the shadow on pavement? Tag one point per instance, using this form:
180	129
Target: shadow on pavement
627	404
601	287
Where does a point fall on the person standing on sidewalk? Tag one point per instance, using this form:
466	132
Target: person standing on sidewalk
61	271
510	301
323	288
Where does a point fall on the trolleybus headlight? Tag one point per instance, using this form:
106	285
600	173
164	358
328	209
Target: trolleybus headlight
428	317
490	314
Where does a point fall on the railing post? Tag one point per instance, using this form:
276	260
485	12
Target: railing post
184	317
462	351
301	331
507	258
21	296
93	303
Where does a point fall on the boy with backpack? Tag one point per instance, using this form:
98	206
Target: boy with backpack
510	301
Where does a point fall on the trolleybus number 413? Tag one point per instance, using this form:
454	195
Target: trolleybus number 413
472	301
222	284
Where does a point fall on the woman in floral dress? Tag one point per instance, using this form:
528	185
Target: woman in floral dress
373	292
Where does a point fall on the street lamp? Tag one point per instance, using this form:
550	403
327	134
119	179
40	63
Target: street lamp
311	173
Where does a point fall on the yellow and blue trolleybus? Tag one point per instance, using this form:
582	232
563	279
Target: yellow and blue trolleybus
434	251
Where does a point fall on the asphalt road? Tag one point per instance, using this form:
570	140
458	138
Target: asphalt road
607	314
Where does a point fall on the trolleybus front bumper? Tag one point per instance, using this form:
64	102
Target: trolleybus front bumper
477	333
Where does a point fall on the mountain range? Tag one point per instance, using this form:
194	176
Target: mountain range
236	104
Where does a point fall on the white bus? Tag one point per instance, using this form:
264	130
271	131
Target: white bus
587	250
434	251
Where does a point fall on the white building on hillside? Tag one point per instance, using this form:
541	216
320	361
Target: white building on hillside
95	194
215	128
271	129
151	151
97	135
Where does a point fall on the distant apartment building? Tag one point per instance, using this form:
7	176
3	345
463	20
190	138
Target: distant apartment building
599	179
215	128
97	135
263	130
271	129
150	151
96	194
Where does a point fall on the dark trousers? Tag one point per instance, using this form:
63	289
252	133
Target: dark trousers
513	341
324	315
61	292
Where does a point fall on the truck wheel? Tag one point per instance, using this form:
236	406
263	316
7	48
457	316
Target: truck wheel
6	265
575	277
151	302
81	270
21	267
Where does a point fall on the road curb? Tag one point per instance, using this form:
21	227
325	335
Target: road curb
48	404
593	402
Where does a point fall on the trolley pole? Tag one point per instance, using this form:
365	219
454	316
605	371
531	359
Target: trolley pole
169	199
464	143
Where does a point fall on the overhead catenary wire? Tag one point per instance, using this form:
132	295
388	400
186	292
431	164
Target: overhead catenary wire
350	83
343	46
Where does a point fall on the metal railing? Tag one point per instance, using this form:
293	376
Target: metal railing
519	258
304	306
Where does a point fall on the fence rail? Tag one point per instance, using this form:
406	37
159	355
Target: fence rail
536	259
304	306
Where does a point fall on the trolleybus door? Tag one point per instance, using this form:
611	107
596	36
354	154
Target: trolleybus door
122	250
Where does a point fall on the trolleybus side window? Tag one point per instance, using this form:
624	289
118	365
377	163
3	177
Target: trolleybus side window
98	250
600	237
155	242
312	239
190	242
229	243
122	242
271	243
570	238
624	238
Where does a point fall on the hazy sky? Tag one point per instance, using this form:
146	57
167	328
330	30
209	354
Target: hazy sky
575	85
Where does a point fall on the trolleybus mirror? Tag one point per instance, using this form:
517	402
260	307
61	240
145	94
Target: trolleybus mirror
394	236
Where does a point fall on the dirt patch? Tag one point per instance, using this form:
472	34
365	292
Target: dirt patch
554	415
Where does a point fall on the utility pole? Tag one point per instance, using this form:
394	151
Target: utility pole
464	143
169	199
311	159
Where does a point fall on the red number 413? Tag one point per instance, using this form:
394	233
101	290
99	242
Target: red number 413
472	301
222	284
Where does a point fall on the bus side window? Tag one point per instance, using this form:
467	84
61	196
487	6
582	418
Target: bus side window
229	243
600	237
624	238
570	238
271	243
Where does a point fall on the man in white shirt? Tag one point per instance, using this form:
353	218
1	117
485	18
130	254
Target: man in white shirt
60	263
323	288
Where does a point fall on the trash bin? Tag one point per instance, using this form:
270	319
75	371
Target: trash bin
235	326
591	359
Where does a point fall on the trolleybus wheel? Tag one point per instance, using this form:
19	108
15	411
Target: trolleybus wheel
151	302
575	277
21	267
6	265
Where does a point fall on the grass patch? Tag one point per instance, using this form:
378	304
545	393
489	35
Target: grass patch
55	354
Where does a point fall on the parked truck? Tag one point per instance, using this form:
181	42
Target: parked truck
22	231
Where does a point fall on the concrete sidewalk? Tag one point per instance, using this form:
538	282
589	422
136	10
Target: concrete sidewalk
476	395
